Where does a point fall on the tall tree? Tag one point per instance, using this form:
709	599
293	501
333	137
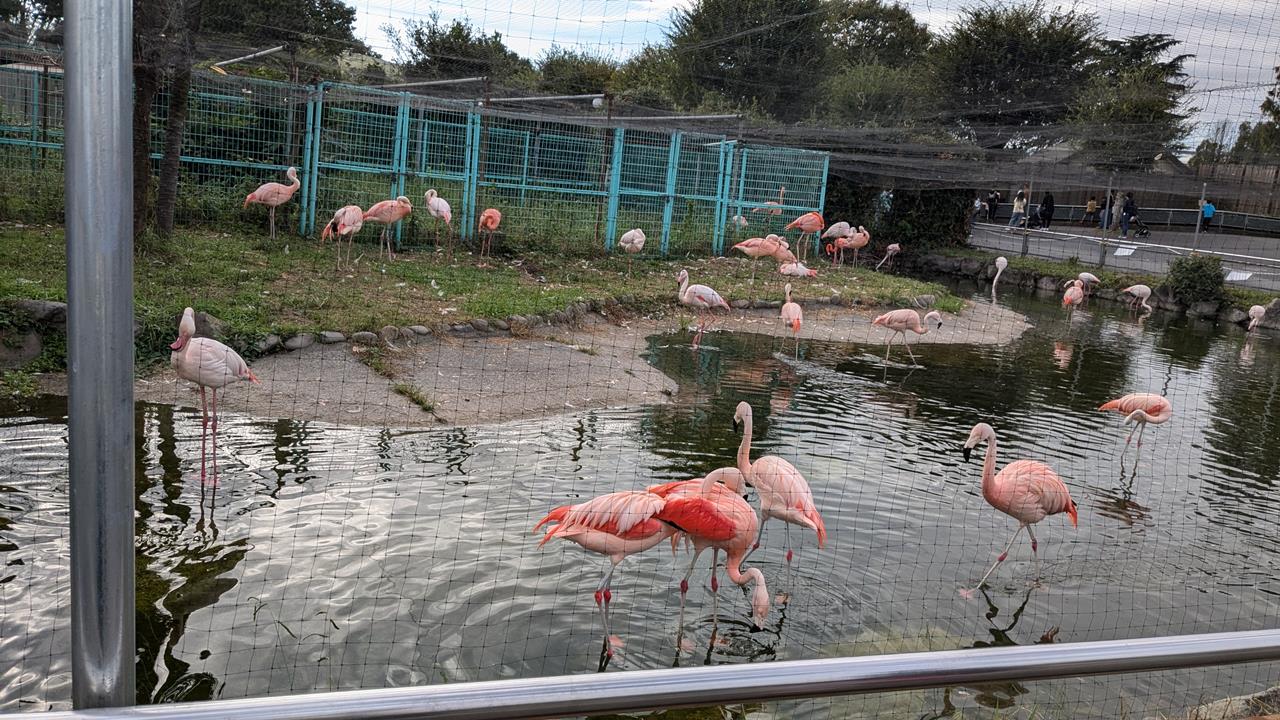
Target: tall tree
766	52
431	49
879	96
1007	74
874	32
1213	149
649	78
326	24
187	20
570	72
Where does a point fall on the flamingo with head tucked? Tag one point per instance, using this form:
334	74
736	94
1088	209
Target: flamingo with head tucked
632	242
1140	408
273	195
792	316
796	269
1140	293
345	223
810	223
1026	490
900	321
388	212
889	252
1256	314
489	221
617	526
1072	298
210	365
439	209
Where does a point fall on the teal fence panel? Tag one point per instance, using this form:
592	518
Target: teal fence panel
561	185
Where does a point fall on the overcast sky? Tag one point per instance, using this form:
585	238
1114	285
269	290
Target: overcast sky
1236	42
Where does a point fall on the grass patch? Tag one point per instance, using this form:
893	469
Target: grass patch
415	396
375	358
18	385
257	288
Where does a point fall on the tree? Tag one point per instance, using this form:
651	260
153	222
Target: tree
1212	150
873	32
878	96
329	24
649	78
1257	142
1006	74
430	49
769	52
569	72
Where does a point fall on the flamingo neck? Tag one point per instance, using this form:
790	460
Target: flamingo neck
744	448
996	279
733	568
294	182
989	472
788	295
684	286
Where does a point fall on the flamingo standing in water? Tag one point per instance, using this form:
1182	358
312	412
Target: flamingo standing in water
1256	313
792	316
388	212
489	221
810	223
900	321
1140	293
1026	490
615	525
273	195
772	207
632	241
1001	264
1072	298
1141	408
701	298
439	209
345	223
713	515
890	251
756	248
783	491
209	364
796	269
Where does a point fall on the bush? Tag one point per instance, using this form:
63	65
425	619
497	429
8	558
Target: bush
920	220
1196	278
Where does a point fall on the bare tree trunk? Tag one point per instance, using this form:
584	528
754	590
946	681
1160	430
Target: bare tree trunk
176	126
145	85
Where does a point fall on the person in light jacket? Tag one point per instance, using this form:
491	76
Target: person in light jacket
1019	209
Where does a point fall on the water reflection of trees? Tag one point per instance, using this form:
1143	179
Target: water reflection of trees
1243	437
1185	341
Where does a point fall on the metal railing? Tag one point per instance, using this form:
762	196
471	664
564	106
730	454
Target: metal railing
1181	219
639	690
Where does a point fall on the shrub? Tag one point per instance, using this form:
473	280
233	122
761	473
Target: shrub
1196	278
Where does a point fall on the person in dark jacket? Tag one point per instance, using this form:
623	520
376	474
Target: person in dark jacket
993	204
1046	210
1128	211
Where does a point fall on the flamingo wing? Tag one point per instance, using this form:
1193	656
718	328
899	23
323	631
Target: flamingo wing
622	514
1035	491
706	296
898	319
697	516
784	492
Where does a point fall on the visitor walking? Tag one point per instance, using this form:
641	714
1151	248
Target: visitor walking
1128	212
1090	212
1019	209
1207	211
993	204
1046	210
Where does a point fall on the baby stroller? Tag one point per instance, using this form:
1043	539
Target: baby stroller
1140	229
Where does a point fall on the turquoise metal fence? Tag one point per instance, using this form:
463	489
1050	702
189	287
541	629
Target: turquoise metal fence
561	184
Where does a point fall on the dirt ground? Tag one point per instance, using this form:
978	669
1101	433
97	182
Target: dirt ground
496	378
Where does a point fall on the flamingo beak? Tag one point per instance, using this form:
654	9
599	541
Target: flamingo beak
178	344
967	452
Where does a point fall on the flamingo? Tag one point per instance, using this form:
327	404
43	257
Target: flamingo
1026	490
900	321
1072	298
1256	313
792	316
783	254
713	515
700	297
345	223
796	269
889	252
837	232
755	248
439	209
616	525
1141	408
1140	295
808	223
738	222
1001	264
858	241
274	194
783	491
388	212
209	364
1089	280
489	221
632	241
771	207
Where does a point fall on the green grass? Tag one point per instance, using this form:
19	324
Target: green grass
257	288
415	396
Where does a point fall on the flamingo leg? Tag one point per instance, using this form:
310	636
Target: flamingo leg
214	433
855	257
684	585
1034	546
887	346
715	583
787	530
907	345
204	430
1141	430
603	597
271	216
756	545
999	559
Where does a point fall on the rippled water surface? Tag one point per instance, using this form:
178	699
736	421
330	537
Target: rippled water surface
330	557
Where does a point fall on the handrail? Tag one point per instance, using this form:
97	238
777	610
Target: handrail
651	689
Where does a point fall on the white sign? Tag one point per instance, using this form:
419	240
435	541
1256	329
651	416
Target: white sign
1238	276
1125	251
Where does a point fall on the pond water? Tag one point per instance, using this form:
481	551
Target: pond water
331	557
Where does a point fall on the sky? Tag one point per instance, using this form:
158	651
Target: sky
1236	42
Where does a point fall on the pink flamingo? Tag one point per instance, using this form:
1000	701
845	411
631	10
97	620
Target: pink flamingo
889	252
1256	314
273	195
632	241
701	298
714	515
1001	264
615	525
796	269
1140	408
836	233
388	212
792	316
1026	490
783	491
489	221
808	223
783	254
756	248
1140	293
345	223
858	241
772	207
209	364
439	209
900	321
1072	298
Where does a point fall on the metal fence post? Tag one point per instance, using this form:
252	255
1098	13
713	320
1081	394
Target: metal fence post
1195	243
742	180
673	168
615	186
822	202
400	156
307	179
724	181
316	147
471	174
35	121
99	183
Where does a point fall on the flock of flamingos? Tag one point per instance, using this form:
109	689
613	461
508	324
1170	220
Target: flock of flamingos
711	512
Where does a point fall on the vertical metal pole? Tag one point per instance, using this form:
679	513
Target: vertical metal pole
306	160
673	169
1195	243
422	144
317	147
615	186
742	180
400	156
1026	222
35	120
99	183
822	202
524	169
1106	224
